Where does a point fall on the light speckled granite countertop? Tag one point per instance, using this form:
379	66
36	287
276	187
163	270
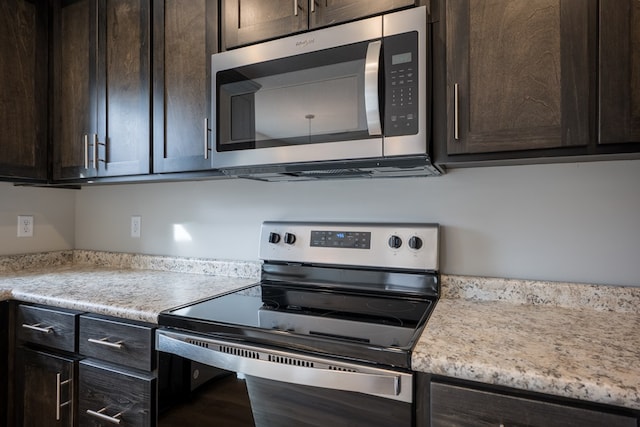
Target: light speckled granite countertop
128	294
570	340
86	283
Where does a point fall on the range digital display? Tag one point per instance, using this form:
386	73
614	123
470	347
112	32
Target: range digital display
341	239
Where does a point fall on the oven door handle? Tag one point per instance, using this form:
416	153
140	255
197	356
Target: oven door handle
287	367
371	98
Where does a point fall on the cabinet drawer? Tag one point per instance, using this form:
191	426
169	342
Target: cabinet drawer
54	328
461	406
108	395
116	341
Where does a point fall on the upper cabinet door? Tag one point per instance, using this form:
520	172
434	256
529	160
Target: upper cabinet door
75	104
23	89
250	21
124	87
185	37
519	74
328	12
620	71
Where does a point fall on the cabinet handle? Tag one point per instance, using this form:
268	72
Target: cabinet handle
313	6
37	327
100	414
59	385
103	341
456	113
96	151
86	151
206	139
295	7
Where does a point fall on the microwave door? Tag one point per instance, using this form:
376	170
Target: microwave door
317	106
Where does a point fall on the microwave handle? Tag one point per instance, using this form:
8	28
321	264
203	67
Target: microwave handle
371	101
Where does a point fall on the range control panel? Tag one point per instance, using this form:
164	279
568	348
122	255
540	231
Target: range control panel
384	245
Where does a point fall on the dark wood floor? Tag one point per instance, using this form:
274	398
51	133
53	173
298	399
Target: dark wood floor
226	398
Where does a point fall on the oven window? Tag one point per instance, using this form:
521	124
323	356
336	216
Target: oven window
305	99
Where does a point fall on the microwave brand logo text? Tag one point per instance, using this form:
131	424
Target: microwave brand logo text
305	42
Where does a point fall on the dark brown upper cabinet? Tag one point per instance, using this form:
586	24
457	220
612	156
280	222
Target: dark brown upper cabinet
185	37
329	12
75	97
620	72
250	21
519	75
23	90
102	69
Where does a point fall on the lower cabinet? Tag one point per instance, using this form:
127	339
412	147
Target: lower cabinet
46	388
459	405
80	369
4	363
109	394
117	377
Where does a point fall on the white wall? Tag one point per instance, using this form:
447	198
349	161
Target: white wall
53	212
564	222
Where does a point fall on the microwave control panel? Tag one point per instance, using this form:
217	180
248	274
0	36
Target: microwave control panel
401	92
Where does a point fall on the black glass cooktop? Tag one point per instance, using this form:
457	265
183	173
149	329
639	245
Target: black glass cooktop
308	315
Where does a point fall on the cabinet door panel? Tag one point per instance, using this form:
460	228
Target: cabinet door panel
185	37
620	72
461	406
328	12
46	387
4	362
74	90
523	74
119	394
23	100
249	21
124	95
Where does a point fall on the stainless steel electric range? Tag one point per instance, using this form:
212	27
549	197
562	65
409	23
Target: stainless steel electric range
338	310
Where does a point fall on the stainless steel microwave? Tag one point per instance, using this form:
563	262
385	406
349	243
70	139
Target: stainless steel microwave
350	100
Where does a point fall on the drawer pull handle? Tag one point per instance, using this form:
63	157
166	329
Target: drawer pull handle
37	327
59	385
103	341
456	111
99	414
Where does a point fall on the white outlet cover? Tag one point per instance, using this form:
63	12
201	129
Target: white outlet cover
25	225
136	224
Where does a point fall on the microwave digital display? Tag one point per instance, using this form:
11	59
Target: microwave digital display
401	58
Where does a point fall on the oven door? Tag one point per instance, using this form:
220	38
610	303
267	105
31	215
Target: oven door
286	388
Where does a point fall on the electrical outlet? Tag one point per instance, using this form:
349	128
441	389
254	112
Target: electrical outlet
25	226
136	223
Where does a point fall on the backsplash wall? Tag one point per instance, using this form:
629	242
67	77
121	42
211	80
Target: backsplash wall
53	213
560	222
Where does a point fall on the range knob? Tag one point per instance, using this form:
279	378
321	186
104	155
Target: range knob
415	242
274	238
289	238
395	242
